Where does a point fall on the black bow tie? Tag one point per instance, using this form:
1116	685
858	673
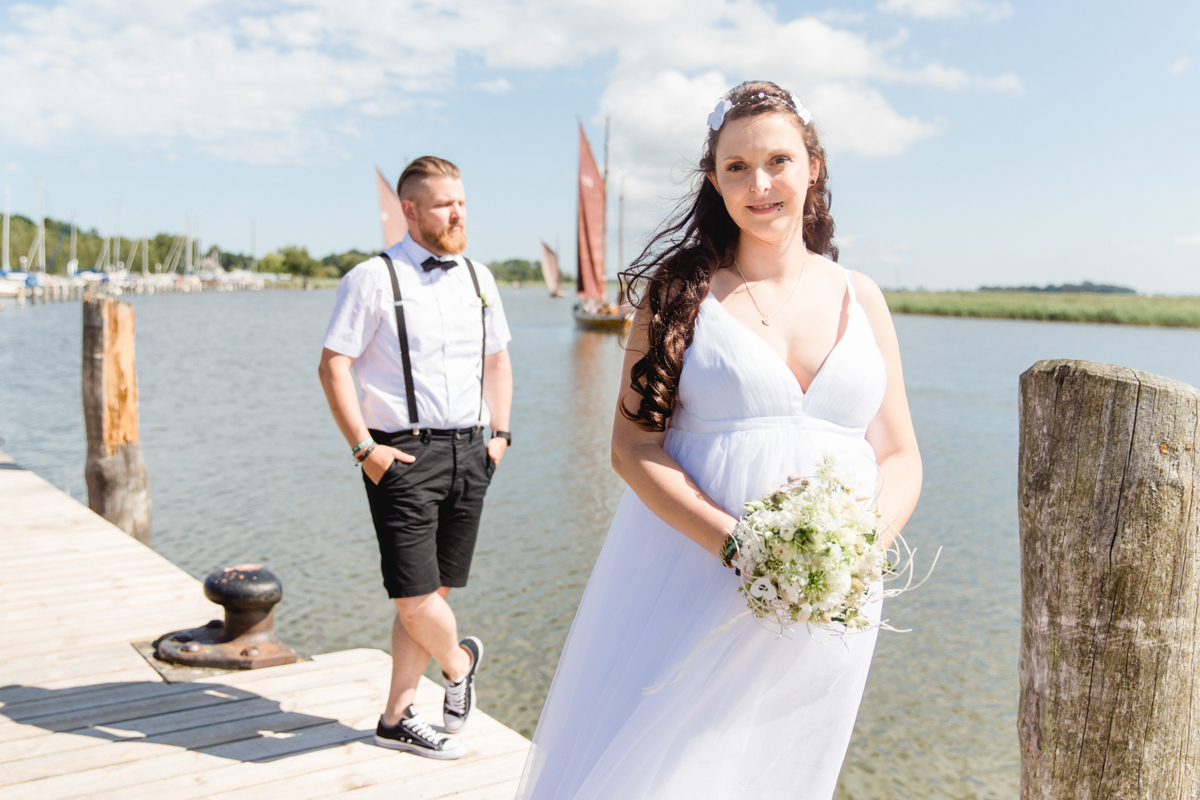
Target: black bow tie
433	263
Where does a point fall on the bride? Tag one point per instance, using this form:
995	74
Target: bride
752	355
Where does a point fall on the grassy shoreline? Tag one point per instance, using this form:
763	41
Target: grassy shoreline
1167	312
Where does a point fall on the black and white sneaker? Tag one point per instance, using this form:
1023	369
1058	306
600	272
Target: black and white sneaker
460	695
415	735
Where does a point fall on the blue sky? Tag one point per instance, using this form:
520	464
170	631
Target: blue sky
971	141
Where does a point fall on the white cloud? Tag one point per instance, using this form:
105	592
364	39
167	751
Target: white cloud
497	86
296	81
1179	66
948	9
1188	241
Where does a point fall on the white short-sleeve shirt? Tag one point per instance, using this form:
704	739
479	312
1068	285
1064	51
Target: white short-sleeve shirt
441	313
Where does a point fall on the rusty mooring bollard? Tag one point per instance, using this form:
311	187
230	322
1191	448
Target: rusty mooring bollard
246	639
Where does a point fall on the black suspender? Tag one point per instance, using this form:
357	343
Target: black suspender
402	330
409	390
483	327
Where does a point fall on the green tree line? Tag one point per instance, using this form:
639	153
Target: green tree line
291	259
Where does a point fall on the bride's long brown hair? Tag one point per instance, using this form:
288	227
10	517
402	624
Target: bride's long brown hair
671	277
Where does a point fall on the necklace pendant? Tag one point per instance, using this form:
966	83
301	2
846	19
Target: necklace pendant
766	321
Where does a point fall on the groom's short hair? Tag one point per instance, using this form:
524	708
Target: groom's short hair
422	168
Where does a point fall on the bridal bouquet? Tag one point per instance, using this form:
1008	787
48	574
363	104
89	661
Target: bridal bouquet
807	552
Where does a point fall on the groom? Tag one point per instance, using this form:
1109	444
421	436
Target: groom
423	331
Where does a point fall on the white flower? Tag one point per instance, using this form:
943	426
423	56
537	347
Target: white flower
717	118
804	113
763	589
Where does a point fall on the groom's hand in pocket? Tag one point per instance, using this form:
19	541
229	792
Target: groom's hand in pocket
496	448
381	459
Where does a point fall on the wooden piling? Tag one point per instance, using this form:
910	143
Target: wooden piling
1110	577
117	481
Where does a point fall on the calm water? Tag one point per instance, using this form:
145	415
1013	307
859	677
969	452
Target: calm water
246	465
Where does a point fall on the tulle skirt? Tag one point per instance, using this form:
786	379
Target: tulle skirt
666	689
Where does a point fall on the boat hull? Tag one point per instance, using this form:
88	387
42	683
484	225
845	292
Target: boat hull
615	323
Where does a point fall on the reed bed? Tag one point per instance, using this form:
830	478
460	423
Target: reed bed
1168	312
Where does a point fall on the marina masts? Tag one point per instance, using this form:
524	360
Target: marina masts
4	263
41	254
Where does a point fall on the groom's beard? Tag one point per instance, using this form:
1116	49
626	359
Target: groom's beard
451	240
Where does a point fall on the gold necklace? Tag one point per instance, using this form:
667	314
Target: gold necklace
766	318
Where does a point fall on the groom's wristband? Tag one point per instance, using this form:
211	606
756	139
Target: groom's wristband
505	435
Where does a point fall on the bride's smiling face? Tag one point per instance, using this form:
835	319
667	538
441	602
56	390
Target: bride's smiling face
763	172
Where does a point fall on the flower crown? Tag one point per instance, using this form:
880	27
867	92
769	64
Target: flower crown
717	118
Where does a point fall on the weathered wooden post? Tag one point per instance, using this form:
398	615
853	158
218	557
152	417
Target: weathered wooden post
117	481
1109	506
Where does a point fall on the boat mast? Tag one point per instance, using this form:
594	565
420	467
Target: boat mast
41	256
4	263
621	241
253	252
117	240
604	232
187	248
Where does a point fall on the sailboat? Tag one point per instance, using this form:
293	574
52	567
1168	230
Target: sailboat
550	272
593	310
395	227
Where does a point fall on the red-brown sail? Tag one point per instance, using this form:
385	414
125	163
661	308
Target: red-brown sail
390	214
591	224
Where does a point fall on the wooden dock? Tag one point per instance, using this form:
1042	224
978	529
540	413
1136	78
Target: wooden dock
83	714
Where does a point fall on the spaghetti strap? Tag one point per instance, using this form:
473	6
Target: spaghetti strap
850	284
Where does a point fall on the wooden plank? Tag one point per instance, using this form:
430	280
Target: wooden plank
505	790
158	716
47	613
82	714
141	749
164	615
75	690
242	777
132	586
35	668
378	779
92	696
99	708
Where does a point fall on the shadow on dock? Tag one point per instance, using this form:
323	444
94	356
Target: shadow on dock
220	720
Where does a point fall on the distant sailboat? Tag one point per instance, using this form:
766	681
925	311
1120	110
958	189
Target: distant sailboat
550	271
593	310
395	227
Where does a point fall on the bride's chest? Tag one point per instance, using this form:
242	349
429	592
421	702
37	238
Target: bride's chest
729	372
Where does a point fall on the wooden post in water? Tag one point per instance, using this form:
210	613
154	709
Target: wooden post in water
1109	507
117	481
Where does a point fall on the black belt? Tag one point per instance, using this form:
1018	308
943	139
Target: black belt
425	434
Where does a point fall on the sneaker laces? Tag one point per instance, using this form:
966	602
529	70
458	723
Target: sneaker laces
456	696
417	725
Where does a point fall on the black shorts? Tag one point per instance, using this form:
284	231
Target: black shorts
426	513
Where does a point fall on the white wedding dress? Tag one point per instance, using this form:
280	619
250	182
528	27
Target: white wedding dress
753	715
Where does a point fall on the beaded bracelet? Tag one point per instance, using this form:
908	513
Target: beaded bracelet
359	458
361	445
729	550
